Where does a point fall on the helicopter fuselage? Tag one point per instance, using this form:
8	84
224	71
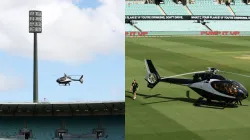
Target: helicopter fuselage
63	80
213	89
207	84
67	79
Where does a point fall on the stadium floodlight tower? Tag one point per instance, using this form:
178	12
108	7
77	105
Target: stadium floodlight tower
35	26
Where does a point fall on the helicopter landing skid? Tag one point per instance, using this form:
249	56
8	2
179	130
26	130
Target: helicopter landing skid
63	85
238	102
229	105
198	101
208	102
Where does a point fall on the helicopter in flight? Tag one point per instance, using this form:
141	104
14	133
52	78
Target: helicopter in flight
65	80
208	84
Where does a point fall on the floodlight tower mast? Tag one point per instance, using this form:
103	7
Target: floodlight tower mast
35	26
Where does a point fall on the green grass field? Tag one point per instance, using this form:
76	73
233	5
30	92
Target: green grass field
170	115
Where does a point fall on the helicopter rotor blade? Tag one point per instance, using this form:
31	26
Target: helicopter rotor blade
185	74
236	74
74	75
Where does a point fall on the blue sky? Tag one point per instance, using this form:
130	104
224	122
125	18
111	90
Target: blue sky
104	76
87	3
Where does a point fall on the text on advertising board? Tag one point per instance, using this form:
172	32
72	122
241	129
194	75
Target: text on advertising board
223	33
185	17
136	33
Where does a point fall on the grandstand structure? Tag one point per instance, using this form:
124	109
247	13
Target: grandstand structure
74	121
191	8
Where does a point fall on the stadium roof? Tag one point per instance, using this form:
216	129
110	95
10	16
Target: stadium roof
75	102
63	108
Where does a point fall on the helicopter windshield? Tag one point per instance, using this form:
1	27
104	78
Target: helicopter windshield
228	87
62	78
240	87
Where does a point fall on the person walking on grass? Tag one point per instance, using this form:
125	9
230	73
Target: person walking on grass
134	88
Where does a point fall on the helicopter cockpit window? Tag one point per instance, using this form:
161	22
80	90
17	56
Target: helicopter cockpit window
225	87
239	86
61	79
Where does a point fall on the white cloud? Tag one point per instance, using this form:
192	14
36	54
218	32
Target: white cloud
8	83
69	34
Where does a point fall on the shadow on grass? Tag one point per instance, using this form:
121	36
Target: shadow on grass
204	104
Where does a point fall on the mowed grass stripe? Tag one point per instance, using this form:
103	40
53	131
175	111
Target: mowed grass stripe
179	62
213	123
200	52
207	43
237	41
170	45
226	134
229	134
143	122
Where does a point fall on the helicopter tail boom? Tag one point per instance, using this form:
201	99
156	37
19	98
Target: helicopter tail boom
152	76
80	79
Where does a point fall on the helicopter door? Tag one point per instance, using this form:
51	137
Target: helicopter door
205	86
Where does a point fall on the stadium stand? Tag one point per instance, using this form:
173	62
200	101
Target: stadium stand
208	7
199	7
228	25
170	25
240	8
129	27
171	8
142	9
73	120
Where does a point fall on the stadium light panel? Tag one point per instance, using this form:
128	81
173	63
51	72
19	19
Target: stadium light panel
35	21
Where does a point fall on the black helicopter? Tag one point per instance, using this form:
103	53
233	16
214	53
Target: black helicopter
207	84
65	80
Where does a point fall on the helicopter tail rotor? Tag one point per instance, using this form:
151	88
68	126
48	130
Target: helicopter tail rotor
152	76
81	79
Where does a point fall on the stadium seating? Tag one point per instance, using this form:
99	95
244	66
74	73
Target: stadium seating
208	7
201	7
43	128
170	25
240	8
130	28
142	9
171	8
229	25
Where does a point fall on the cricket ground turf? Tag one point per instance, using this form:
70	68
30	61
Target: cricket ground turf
165	113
